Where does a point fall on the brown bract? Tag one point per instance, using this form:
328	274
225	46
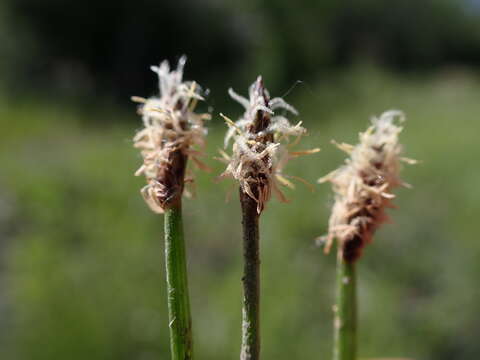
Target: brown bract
261	145
363	185
171	128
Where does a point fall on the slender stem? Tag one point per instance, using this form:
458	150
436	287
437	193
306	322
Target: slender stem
180	322
251	280
345	321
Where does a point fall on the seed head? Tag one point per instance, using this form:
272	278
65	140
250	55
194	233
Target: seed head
261	144
171	128
363	185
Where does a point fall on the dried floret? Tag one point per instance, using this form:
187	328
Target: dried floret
363	185
171	128
261	143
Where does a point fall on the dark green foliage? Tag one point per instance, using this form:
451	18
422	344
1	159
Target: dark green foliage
102	47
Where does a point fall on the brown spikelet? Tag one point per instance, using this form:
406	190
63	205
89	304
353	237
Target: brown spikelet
362	186
171	128
259	150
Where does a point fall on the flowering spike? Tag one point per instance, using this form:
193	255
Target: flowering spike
259	156
171	127
362	186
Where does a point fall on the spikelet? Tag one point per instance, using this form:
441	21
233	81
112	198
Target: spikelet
363	185
261	145
171	128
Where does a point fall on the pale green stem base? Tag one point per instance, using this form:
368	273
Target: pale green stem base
180	322
345	319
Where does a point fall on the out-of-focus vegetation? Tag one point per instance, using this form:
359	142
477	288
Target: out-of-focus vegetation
82	254
81	259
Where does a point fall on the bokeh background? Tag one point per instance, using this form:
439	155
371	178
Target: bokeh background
81	260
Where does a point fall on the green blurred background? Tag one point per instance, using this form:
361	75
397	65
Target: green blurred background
81	260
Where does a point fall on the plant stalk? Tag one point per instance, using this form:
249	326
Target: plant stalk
180	322
250	349
345	311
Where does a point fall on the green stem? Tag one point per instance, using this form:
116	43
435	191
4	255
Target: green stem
345	321
251	280
180	322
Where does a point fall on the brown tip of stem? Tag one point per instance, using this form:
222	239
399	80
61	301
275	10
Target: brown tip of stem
171	177
352	249
262	119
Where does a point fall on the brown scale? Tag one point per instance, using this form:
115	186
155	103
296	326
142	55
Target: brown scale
172	175
353	248
261	123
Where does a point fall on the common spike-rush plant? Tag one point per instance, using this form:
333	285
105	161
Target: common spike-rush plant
362	189
171	128
261	149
